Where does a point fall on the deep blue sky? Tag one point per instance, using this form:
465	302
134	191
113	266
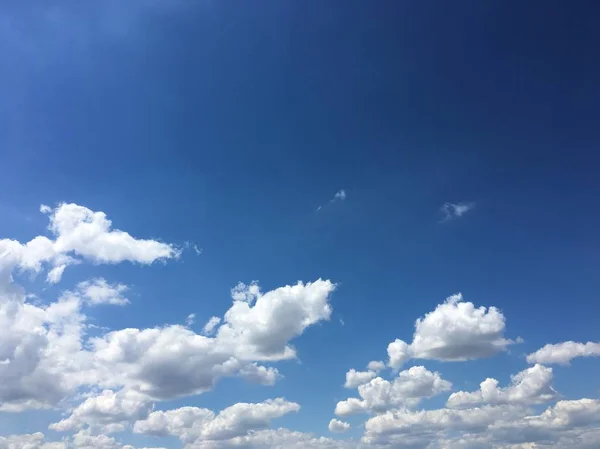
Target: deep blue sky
228	123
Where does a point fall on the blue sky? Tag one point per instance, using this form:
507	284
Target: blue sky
463	136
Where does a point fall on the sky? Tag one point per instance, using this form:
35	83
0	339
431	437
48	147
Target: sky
283	224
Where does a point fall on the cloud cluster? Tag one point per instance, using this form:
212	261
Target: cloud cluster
406	390
107	382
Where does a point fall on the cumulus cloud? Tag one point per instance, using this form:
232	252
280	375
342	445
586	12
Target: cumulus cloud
79	234
405	422
192	424
174	361
355	378
530	386
29	441
98	291
407	389
455	331
107	412
563	353
456	210
337	426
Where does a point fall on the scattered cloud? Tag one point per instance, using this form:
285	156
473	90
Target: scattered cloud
451	211
111	383
563	353
211	325
337	426
340	195
190	320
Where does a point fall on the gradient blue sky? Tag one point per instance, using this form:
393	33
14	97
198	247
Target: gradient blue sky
227	124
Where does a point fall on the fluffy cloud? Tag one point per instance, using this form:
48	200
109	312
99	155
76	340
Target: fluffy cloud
382	428
337	426
355	378
259	326
193	425
107	412
379	395
32	441
530	386
80	233
561	421
455	331
174	361
98	291
563	353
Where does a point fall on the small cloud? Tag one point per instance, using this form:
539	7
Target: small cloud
191	318
193	247
340	195
211	325
452	210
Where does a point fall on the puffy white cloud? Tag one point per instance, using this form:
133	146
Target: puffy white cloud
107	412
530	386
455	331
456	210
31	441
98	291
407	389
175	361
88	234
563	353
259	326
85	440
355	378
192	424
405	422
563	421
337	426
80	233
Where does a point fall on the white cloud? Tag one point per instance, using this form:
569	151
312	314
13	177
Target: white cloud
79	232
340	195
174	361
259	326
192	424
337	426
31	441
563	353
404	422
106	412
407	389
561	421
530	386
456	210
211	325
190	320
355	378
98	291
455	331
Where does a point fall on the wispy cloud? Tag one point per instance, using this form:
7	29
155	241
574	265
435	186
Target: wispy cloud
456	210
340	195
